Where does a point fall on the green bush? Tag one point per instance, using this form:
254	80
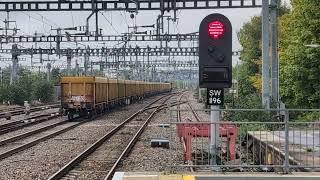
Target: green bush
252	101
29	86
19	94
43	91
309	117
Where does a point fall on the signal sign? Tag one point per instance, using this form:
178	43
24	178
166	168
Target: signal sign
216	29
215	52
215	96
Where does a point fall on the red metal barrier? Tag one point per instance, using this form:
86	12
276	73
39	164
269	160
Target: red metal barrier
188	131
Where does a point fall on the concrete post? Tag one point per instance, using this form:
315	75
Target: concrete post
101	67
1	76
86	63
58	41
91	68
265	55
199	95
48	72
214	134
286	130
77	68
69	65
274	50
14	69
97	27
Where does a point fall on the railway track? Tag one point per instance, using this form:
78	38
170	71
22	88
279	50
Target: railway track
179	119
20	142
21	110
15	125
102	157
11	109
195	114
11	141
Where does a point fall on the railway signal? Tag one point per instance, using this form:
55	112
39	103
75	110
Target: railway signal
215	69
215	52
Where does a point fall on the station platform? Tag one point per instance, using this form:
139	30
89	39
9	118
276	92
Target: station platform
215	176
304	146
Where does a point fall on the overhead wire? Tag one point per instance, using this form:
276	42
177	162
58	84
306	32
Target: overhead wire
44	21
125	19
109	23
31	17
72	19
48	20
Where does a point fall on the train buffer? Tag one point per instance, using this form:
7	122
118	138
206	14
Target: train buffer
187	131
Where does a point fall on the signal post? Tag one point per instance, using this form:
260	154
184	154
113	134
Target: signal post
215	69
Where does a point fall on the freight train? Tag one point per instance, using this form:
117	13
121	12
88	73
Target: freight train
87	96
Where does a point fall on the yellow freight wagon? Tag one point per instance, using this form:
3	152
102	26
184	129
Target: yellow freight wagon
87	96
113	90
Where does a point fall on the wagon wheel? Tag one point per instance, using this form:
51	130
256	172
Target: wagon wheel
70	116
89	115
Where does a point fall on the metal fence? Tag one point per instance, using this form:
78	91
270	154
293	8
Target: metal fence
274	141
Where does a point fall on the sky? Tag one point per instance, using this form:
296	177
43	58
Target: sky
116	22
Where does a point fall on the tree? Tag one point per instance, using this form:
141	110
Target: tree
300	65
249	76
29	86
250	40
5	93
55	75
43	91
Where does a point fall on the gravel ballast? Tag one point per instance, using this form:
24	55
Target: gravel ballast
44	159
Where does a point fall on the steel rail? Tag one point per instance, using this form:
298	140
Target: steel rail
21	110
38	140
132	142
69	166
179	119
12	108
16	125
30	133
195	114
32	143
162	106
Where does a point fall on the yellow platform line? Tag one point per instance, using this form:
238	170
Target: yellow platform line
188	177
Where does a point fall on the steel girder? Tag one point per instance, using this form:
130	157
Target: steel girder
109	38
135	51
140	64
128	5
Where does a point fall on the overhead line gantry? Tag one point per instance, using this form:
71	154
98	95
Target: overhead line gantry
132	6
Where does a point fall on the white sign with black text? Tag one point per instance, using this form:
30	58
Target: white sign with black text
215	96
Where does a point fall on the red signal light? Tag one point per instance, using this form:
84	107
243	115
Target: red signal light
216	29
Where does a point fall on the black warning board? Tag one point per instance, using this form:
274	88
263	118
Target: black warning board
215	96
